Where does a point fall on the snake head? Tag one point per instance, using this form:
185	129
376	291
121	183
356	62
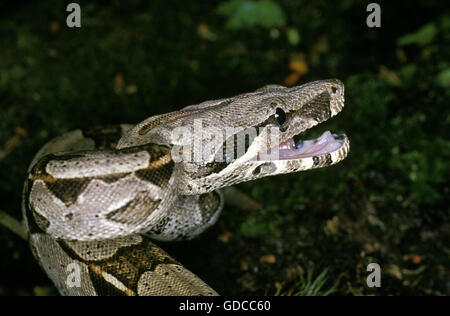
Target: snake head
223	142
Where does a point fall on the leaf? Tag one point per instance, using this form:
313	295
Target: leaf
246	14
390	76
408	72
421	37
293	36
443	78
298	65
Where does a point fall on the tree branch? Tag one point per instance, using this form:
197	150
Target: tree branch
13	224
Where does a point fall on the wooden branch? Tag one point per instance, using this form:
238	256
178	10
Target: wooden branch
238	199
13	224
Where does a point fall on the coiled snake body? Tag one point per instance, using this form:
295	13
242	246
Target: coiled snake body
94	199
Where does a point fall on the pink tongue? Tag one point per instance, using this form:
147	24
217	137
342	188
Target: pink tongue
319	146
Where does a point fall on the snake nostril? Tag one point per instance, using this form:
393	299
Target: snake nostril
257	171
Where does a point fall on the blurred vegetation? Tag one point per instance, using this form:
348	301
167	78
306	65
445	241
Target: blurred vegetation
388	202
307	285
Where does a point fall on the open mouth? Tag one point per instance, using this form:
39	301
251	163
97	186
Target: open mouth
296	148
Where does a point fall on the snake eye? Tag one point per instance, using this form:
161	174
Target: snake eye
280	116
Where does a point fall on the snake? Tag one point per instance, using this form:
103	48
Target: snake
95	199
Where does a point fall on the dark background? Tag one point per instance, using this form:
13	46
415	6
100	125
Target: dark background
388	202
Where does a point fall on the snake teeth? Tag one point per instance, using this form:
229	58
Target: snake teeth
298	141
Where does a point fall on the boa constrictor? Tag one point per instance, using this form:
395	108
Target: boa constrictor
94	199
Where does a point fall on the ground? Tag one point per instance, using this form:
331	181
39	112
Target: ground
387	203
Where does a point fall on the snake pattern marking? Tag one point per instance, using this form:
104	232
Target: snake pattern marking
94	199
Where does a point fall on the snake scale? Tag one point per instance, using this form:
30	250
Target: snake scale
94	199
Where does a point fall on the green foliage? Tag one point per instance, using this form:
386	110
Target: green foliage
265	224
307	285
407	73
314	287
243	14
293	36
443	78
423	36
